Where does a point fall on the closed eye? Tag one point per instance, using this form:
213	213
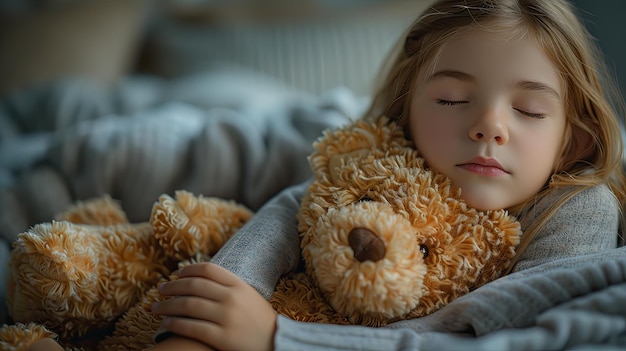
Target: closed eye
365	198
450	102
530	114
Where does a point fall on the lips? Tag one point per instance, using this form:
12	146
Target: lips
484	166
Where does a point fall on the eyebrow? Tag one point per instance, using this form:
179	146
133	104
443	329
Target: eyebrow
452	74
466	77
539	87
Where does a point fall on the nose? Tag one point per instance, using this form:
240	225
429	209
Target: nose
490	126
367	246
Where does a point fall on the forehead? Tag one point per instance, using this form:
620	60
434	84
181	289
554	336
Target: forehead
495	54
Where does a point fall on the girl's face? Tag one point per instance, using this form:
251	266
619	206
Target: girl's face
491	117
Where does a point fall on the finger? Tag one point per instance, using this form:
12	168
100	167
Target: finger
193	286
202	331
189	307
210	271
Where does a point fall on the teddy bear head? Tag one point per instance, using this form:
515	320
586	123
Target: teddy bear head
385	238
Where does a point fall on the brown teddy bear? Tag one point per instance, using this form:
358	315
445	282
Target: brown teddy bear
90	277
383	239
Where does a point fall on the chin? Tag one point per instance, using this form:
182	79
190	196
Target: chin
480	203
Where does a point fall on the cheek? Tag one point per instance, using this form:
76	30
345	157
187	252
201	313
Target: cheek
433	133
540	153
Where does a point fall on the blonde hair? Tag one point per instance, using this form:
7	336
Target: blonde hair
590	95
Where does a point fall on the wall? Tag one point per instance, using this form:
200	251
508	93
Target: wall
605	21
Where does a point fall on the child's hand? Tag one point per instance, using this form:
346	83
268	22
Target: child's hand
215	307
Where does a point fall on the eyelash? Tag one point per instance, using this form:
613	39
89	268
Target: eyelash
453	103
449	102
532	115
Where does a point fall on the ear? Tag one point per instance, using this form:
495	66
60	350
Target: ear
337	162
581	146
337	147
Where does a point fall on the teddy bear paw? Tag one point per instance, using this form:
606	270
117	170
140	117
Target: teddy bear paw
188	224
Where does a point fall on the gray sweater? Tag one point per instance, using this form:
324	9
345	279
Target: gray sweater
561	263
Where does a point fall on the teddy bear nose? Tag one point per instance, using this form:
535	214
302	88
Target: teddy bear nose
367	246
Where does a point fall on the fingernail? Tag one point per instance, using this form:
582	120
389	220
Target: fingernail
161	334
154	306
161	286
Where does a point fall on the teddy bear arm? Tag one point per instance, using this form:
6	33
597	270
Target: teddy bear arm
136	328
502	241
297	298
187	224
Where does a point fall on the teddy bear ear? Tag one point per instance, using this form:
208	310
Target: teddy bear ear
359	139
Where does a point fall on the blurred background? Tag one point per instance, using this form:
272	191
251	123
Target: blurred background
605	21
312	45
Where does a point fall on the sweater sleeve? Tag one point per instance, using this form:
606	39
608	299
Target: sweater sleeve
268	246
587	223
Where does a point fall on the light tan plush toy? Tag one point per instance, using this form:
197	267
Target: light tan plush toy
383	239
90	277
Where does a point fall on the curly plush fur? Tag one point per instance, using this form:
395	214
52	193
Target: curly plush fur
420	246
383	239
93	284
